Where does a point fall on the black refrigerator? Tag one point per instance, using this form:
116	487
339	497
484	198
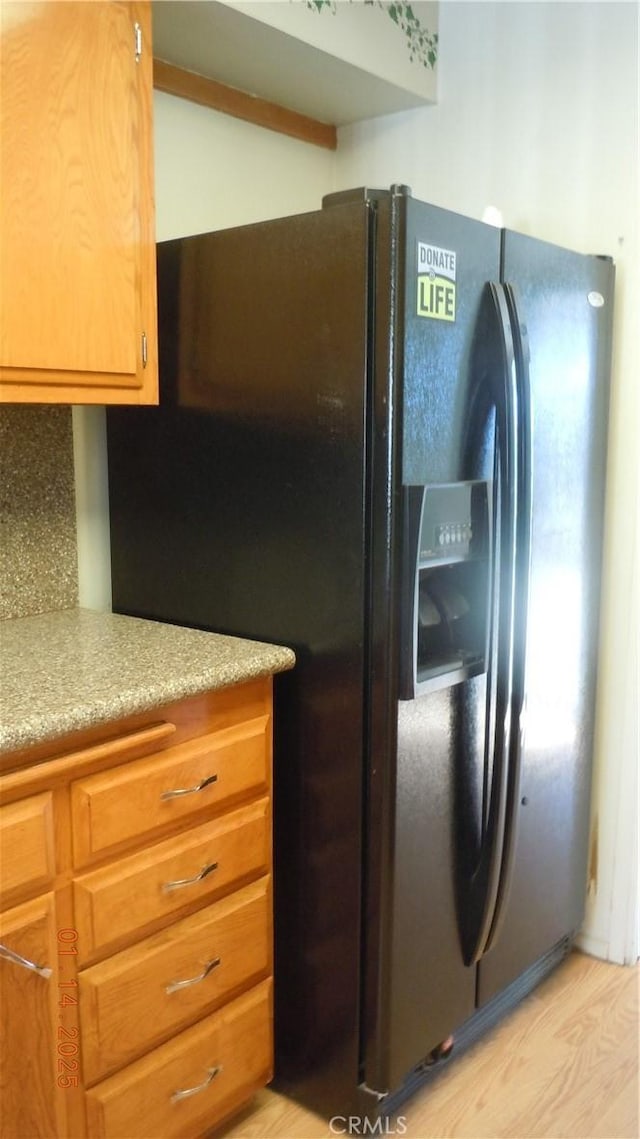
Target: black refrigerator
381	441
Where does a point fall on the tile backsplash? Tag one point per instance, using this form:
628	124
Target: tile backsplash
38	552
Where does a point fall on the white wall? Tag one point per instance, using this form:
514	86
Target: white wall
538	115
211	172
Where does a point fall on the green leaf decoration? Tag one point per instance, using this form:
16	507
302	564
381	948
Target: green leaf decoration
422	44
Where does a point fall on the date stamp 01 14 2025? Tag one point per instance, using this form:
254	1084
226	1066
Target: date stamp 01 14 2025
67	1037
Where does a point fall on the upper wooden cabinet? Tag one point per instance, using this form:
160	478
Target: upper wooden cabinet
77	239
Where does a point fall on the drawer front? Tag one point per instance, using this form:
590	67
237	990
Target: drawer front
132	1001
156	793
221	1062
130	895
27	859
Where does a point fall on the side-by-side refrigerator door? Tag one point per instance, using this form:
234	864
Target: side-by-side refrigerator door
427	758
561	304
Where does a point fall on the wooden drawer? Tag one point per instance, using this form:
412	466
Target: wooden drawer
27	859
143	1100
157	793
132	894
136	999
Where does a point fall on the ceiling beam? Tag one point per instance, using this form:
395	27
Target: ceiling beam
209	93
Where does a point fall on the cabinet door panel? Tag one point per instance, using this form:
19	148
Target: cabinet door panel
29	1022
76	240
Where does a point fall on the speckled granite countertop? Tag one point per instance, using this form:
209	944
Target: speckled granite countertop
74	669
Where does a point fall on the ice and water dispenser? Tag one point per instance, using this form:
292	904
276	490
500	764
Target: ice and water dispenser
446	585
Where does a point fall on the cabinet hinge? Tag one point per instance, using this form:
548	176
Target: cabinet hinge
137	36
144	349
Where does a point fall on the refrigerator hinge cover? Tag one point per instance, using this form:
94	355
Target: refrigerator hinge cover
364	195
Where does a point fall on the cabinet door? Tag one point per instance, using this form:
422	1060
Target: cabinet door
28	1013
77	251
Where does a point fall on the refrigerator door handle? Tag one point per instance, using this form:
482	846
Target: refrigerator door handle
483	888
523	563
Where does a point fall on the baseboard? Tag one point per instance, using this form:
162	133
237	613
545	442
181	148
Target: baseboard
593	946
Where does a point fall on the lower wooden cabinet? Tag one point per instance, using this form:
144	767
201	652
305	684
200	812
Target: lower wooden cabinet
136	959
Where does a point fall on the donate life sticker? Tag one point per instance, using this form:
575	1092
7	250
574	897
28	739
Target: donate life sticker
436	282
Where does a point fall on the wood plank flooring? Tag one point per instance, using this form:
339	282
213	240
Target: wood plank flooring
563	1065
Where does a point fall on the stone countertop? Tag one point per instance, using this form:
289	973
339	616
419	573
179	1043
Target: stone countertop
76	669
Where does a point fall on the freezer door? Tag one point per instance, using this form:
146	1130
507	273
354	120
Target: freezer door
564	303
426	773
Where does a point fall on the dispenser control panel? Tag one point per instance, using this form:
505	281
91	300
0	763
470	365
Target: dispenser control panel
450	534
454	521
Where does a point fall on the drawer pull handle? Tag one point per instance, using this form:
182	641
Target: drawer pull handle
178	883
186	1092
176	985
9	954
189	790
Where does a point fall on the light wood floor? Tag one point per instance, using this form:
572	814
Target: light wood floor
563	1065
